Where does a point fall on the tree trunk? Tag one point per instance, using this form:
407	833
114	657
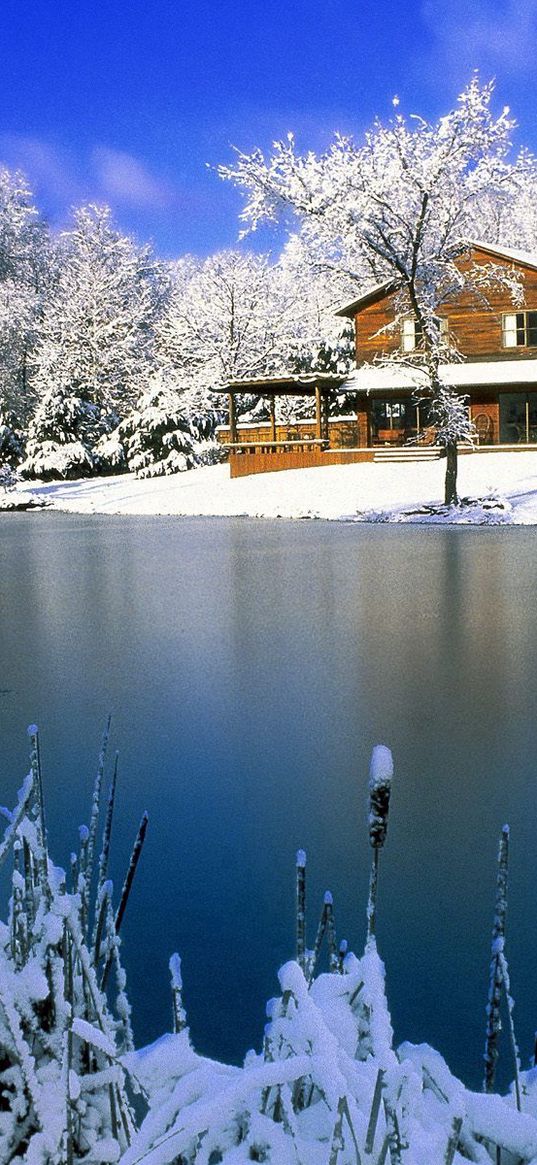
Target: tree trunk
450	493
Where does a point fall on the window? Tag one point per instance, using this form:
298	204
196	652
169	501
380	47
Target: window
519	329
411	333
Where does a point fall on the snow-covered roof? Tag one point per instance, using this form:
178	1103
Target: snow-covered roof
526	258
349	309
392	377
296	383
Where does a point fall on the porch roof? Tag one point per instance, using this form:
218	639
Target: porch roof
394	377
299	384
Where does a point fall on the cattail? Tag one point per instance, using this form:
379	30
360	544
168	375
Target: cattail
495	978
333	961
380	779
343	948
301	908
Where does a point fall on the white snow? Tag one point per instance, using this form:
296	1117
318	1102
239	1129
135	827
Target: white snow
365	491
381	767
394	377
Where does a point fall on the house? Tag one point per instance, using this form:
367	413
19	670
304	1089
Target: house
389	413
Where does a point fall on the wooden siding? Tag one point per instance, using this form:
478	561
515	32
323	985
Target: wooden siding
475	323
243	462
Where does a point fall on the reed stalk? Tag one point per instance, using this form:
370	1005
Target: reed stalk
107	831
68	1037
127	886
337	1136
96	803
374	1114
510	1021
314	954
393	1133
301	909
333	960
35	764
453	1143
495	975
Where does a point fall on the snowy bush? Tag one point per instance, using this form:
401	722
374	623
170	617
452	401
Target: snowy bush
63	1089
8	479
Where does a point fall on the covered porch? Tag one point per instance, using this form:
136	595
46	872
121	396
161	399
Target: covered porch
373	422
387	416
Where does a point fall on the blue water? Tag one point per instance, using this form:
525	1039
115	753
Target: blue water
250	667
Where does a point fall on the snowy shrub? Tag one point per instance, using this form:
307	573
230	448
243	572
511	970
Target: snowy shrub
8	479
63	1089
164	434
11	441
109	453
61	437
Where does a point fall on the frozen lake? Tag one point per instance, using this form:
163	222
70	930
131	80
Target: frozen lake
250	667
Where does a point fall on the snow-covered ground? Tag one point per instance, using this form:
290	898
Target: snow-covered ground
370	492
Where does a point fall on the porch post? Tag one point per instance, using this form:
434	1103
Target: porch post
324	416
272	405
318	414
232	419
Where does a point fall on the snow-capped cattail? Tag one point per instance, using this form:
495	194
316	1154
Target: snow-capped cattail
331	932
380	782
301	908
343	948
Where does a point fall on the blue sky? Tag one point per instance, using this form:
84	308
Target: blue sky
129	102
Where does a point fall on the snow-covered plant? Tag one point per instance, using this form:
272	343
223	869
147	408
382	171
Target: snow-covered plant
380	784
8	478
166	433
62	436
399	209
63	1087
327	1088
24	278
94	351
499	980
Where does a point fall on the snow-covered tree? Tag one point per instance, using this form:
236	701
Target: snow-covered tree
222	318
94	352
165	433
24	273
399	207
238	315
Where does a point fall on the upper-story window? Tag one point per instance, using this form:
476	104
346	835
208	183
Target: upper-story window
519	329
412	333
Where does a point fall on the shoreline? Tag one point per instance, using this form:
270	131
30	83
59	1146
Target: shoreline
500	489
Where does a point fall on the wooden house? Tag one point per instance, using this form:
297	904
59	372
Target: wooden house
389	415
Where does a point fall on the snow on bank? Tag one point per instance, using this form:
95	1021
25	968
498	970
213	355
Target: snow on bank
363	492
